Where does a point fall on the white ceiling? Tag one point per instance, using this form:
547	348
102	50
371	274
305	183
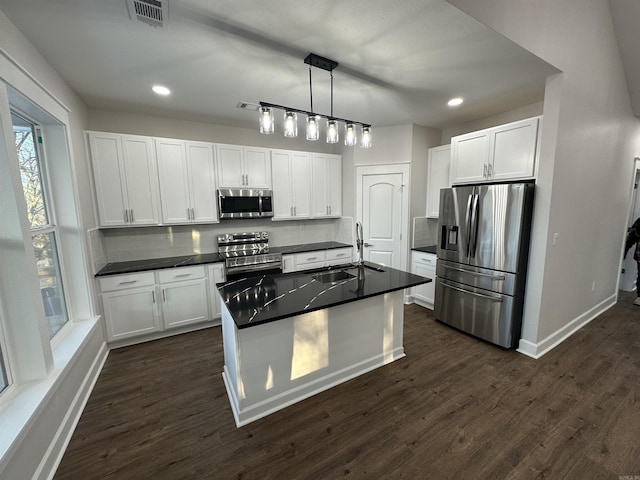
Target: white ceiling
399	61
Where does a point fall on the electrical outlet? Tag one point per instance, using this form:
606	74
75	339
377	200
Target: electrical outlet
593	287
555	239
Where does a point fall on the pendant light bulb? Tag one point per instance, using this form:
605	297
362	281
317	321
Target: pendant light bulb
332	131
313	130
266	120
365	141
350	135
290	124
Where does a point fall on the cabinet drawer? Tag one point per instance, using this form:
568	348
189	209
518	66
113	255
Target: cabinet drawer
424	258
182	273
310	257
339	254
130	280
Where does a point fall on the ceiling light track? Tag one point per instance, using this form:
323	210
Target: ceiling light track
267	123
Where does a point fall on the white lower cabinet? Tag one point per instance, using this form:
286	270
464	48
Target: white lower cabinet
184	296
144	303
424	264
130	305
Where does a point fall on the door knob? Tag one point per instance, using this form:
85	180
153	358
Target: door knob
368	245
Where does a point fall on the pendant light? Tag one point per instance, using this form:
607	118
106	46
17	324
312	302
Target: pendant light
266	120
365	140
290	124
350	135
313	119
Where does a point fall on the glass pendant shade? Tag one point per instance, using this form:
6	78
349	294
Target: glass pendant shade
266	120
313	130
332	131
350	135
290	124
365	141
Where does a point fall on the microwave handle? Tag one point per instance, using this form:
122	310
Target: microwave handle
260	204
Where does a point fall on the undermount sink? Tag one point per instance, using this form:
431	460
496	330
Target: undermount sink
333	276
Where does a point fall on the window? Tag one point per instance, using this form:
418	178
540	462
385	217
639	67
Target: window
28	140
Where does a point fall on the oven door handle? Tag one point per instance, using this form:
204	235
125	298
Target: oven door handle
252	268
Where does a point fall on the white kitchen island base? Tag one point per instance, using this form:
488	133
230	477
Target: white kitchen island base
273	365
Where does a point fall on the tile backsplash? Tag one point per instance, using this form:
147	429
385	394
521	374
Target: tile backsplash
425	232
137	243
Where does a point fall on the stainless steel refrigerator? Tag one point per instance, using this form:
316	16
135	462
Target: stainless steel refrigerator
483	250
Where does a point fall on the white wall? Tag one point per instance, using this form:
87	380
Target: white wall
520	113
38	416
589	139
157	126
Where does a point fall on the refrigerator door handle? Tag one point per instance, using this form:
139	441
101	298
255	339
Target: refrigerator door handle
468	224
487	297
480	274
473	234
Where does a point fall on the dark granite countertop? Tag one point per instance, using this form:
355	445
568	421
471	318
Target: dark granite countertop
261	299
428	249
115	268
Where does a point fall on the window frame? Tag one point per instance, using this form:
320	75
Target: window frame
51	227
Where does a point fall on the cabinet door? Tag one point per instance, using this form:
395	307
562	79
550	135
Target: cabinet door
300	181
326	188
216	275
426	291
257	167
130	313
174	181
513	150
319	197
282	194
438	177
106	158
230	166
334	185
469	157
184	302
202	182
141	179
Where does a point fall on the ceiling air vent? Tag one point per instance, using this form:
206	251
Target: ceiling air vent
151	12
248	106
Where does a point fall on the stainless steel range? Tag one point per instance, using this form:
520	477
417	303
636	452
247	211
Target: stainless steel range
248	253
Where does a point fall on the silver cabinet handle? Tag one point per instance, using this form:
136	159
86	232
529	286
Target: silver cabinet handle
329	209
484	171
490	170
295	211
188	214
193	213
153	295
126	216
131	215
312	258
127	282
183	275
164	296
291	208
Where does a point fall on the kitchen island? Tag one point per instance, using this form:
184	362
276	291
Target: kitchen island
289	336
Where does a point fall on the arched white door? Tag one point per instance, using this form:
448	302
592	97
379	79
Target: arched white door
382	199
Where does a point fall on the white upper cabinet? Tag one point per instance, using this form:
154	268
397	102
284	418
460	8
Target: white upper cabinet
243	167
326	190
437	177
291	185
506	152
187	181
126	179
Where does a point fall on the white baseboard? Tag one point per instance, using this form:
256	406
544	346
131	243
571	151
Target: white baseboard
50	462
537	350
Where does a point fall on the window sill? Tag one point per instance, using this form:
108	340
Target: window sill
21	405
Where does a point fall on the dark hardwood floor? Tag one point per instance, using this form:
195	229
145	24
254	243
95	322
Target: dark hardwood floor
453	408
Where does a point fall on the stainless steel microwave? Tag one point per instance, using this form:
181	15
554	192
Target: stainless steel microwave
244	203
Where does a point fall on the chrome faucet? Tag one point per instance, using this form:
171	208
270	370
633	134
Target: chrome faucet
360	243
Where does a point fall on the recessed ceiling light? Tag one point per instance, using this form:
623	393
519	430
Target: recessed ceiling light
160	90
454	102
